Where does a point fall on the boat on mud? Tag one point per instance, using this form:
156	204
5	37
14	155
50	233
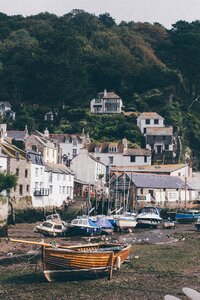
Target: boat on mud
197	224
83	226
60	262
53	226
187	216
149	217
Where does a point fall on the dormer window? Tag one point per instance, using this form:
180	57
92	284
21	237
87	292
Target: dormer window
113	149
97	149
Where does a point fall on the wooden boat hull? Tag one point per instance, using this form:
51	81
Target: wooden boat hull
60	263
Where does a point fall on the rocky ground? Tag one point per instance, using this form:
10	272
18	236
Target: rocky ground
162	261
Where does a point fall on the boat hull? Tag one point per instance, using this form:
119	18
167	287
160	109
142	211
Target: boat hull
61	263
148	223
124	224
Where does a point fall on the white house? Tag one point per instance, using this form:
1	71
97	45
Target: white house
41	143
88	169
51	184
149	119
106	103
70	144
118	154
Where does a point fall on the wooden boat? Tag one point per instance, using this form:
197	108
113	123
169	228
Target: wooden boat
64	261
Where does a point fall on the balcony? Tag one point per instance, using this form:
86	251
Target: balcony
41	192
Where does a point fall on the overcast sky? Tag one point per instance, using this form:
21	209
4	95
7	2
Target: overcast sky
166	12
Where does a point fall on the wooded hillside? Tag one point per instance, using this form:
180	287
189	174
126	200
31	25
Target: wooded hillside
50	61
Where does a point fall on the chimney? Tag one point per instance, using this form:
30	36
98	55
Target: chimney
105	93
125	143
3	132
46	133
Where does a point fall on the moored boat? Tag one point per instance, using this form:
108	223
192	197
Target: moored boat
197	224
126	222
83	226
51	228
59	262
187	216
149	217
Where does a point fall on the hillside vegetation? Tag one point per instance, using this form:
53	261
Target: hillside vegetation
49	61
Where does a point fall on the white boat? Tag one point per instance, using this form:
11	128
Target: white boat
125	222
149	217
52	228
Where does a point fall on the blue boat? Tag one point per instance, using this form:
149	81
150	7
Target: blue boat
187	216
83	226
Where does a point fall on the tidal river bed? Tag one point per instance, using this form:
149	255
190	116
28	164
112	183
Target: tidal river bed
162	261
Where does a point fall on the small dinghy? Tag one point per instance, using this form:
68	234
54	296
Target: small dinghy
60	262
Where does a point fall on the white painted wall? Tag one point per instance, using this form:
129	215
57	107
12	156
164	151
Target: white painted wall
61	186
87	169
141	123
3	163
70	149
121	160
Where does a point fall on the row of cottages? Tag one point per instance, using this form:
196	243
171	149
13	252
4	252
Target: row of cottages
159	138
39	184
135	190
118	154
106	103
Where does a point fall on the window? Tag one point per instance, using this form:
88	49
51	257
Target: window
113	149
74	152
50	189
141	191
145	159
27	188
166	147
111	160
145	130
70	177
26	173
21	189
98	158
147	121
156	121
36	172
60	189
40	171
64	177
34	148
74	142
97	149
17	172
132	158
63	189
36	185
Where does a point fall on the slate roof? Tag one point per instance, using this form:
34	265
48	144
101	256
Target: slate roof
109	95
156	181
57	168
35	158
17	134
159	130
61	138
150	115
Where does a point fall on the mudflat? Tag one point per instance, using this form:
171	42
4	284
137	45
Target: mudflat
161	262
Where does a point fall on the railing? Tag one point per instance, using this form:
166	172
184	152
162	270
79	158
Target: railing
41	192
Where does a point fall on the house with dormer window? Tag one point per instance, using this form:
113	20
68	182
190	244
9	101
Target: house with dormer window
106	103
